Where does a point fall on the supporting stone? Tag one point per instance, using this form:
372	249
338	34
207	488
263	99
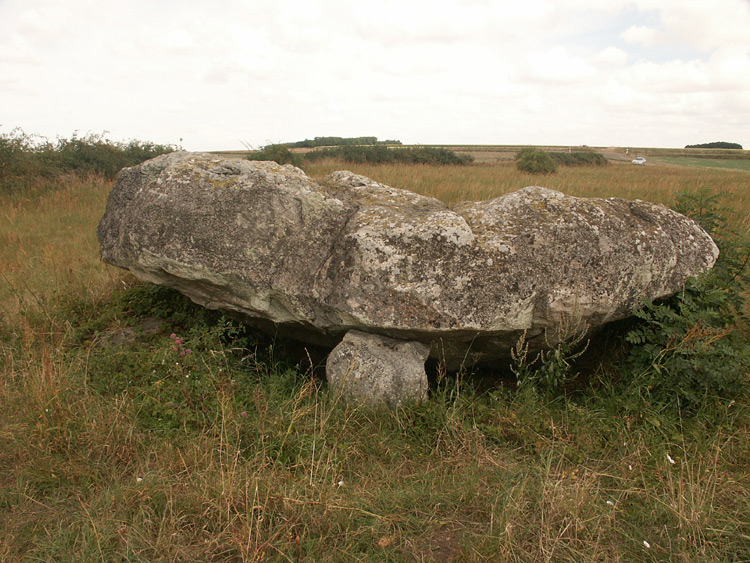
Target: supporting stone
376	370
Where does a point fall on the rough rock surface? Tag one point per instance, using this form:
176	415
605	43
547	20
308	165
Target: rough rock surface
374	370
313	259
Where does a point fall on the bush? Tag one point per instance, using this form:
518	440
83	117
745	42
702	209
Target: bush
24	158
578	158
535	161
277	153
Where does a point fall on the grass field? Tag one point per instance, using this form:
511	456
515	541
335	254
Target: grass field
707	162
114	447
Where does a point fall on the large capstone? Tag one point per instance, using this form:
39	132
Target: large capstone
313	259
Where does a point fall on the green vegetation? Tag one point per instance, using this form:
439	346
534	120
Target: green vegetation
535	162
277	153
730	163
379	154
138	426
579	158
715	145
687	352
23	157
339	141
384	155
546	162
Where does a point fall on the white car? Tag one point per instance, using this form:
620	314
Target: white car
639	160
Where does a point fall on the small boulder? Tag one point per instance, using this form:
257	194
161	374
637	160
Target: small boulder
376	370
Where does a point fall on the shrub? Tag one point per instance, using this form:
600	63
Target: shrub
16	150
24	158
94	154
535	161
277	153
578	158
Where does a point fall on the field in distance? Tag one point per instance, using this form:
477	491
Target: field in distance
487	154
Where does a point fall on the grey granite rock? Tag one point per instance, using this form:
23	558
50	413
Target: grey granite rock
313	259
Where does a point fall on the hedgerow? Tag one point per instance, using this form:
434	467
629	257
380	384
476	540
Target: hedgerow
24	157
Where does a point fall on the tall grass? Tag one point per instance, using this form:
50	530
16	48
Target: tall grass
49	252
109	453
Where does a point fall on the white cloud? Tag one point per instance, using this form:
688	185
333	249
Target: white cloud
705	25
448	71
611	56
556	65
641	34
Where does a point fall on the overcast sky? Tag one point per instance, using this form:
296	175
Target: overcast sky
220	75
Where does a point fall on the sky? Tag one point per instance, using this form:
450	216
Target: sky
233	74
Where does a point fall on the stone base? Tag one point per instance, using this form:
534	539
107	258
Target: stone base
376	370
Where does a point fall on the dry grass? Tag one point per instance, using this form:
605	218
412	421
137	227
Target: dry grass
659	184
48	247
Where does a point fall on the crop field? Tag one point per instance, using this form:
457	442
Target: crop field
117	445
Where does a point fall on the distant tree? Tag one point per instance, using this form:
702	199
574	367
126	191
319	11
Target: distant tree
340	142
381	154
715	145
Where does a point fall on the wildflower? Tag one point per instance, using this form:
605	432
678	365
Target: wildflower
648	545
669	459
138	479
610	503
243	413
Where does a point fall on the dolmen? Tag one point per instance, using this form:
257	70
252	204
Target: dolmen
387	277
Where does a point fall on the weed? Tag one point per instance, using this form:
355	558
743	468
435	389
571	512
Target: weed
552	369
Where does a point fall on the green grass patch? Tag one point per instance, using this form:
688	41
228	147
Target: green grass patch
731	164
